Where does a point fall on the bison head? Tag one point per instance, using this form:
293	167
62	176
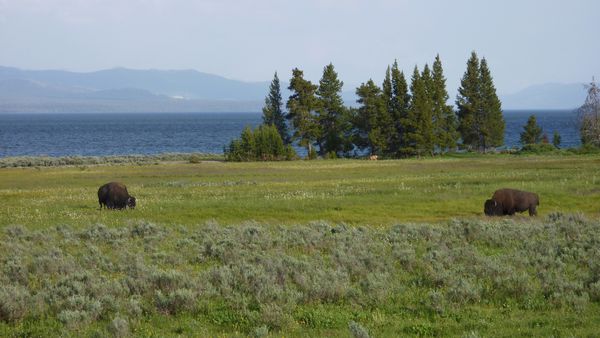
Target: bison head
131	202
492	208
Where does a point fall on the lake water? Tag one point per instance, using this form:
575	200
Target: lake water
153	133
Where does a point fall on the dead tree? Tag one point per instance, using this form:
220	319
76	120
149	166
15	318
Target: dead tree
589	116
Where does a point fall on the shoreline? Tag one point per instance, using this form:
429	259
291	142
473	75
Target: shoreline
137	159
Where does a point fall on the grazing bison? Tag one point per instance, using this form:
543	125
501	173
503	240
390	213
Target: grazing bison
114	195
509	201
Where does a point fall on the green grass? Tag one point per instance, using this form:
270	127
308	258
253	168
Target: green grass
302	248
349	191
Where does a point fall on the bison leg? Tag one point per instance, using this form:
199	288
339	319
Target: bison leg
532	211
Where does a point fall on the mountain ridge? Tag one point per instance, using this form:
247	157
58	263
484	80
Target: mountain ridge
546	96
127	90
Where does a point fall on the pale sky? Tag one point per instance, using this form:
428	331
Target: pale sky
526	42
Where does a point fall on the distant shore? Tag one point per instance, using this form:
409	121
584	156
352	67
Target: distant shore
52	161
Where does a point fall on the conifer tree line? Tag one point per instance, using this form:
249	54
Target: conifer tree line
394	120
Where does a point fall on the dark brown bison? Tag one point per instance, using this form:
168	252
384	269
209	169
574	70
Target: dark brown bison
509	201
114	195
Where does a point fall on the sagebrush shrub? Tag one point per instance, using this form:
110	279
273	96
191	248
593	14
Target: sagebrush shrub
277	277
14	302
118	327
261	331
464	291
174	302
357	330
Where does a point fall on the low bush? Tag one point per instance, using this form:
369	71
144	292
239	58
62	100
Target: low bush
176	301
260	278
357	331
539	148
14	302
261	144
119	327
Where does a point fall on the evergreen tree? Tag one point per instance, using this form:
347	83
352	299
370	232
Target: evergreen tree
481	123
399	110
234	151
372	120
391	131
468	102
532	132
262	144
272	111
330	113
492	125
423	107
248	144
302	105
444	119
556	139
410	122
387	90
269	144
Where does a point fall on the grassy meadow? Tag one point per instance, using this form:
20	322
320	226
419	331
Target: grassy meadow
303	248
354	192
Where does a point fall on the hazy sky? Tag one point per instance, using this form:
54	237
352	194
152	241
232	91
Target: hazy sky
526	42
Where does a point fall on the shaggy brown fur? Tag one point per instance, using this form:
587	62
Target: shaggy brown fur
114	195
509	201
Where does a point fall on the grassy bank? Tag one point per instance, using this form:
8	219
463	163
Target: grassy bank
348	191
461	278
49	161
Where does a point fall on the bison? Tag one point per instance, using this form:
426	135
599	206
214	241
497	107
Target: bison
114	195
509	201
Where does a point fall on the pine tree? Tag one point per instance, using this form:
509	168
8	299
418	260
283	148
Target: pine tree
330	113
302	105
400	102
389	97
556	139
468	102
272	111
444	118
410	122
423	106
372	119
492	125
481	123
532	133
387	90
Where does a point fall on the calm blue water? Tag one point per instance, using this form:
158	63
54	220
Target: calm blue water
118	134
563	121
